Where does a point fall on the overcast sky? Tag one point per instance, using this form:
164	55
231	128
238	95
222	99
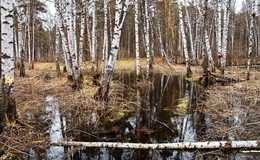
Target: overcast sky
51	7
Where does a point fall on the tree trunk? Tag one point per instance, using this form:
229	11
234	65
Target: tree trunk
182	145
190	33
121	10
137	52
251	40
7	103
65	42
105	46
211	62
225	35
31	33
186	54
167	6
147	39
7	40
218	32
158	31
57	50
94	23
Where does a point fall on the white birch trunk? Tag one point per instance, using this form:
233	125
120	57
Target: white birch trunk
225	35
57	48
65	42
74	52
7	56
198	29
211	62
93	48
162	51
82	32
88	27
110	24
120	14
29	44
218	37
207	43
182	145
190	33
33	43
105	46
147	39
20	31
186	54
137	52
251	34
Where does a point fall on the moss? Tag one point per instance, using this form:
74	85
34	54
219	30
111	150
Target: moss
1	153
7	156
182	106
39	104
194	78
120	114
86	91
215	74
37	142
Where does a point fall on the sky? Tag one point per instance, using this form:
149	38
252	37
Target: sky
51	7
239	5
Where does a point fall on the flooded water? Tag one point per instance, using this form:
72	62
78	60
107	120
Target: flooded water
166	112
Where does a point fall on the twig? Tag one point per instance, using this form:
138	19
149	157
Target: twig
165	126
17	150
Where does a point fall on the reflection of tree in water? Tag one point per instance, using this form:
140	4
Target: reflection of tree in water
153	121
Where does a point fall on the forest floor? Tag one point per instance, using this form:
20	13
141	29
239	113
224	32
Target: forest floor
224	104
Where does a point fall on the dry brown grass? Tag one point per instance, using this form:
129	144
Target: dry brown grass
234	111
78	105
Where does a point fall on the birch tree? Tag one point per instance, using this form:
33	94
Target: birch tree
7	103
147	38
218	36
20	38
190	34
105	46
120	14
7	55
65	42
184	41
206	41
225	35
250	49
137	52
73	47
57	48
93	44
209	52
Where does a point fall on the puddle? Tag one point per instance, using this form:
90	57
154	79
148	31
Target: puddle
55	131
166	113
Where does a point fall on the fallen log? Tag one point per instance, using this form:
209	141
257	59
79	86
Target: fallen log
221	78
254	144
